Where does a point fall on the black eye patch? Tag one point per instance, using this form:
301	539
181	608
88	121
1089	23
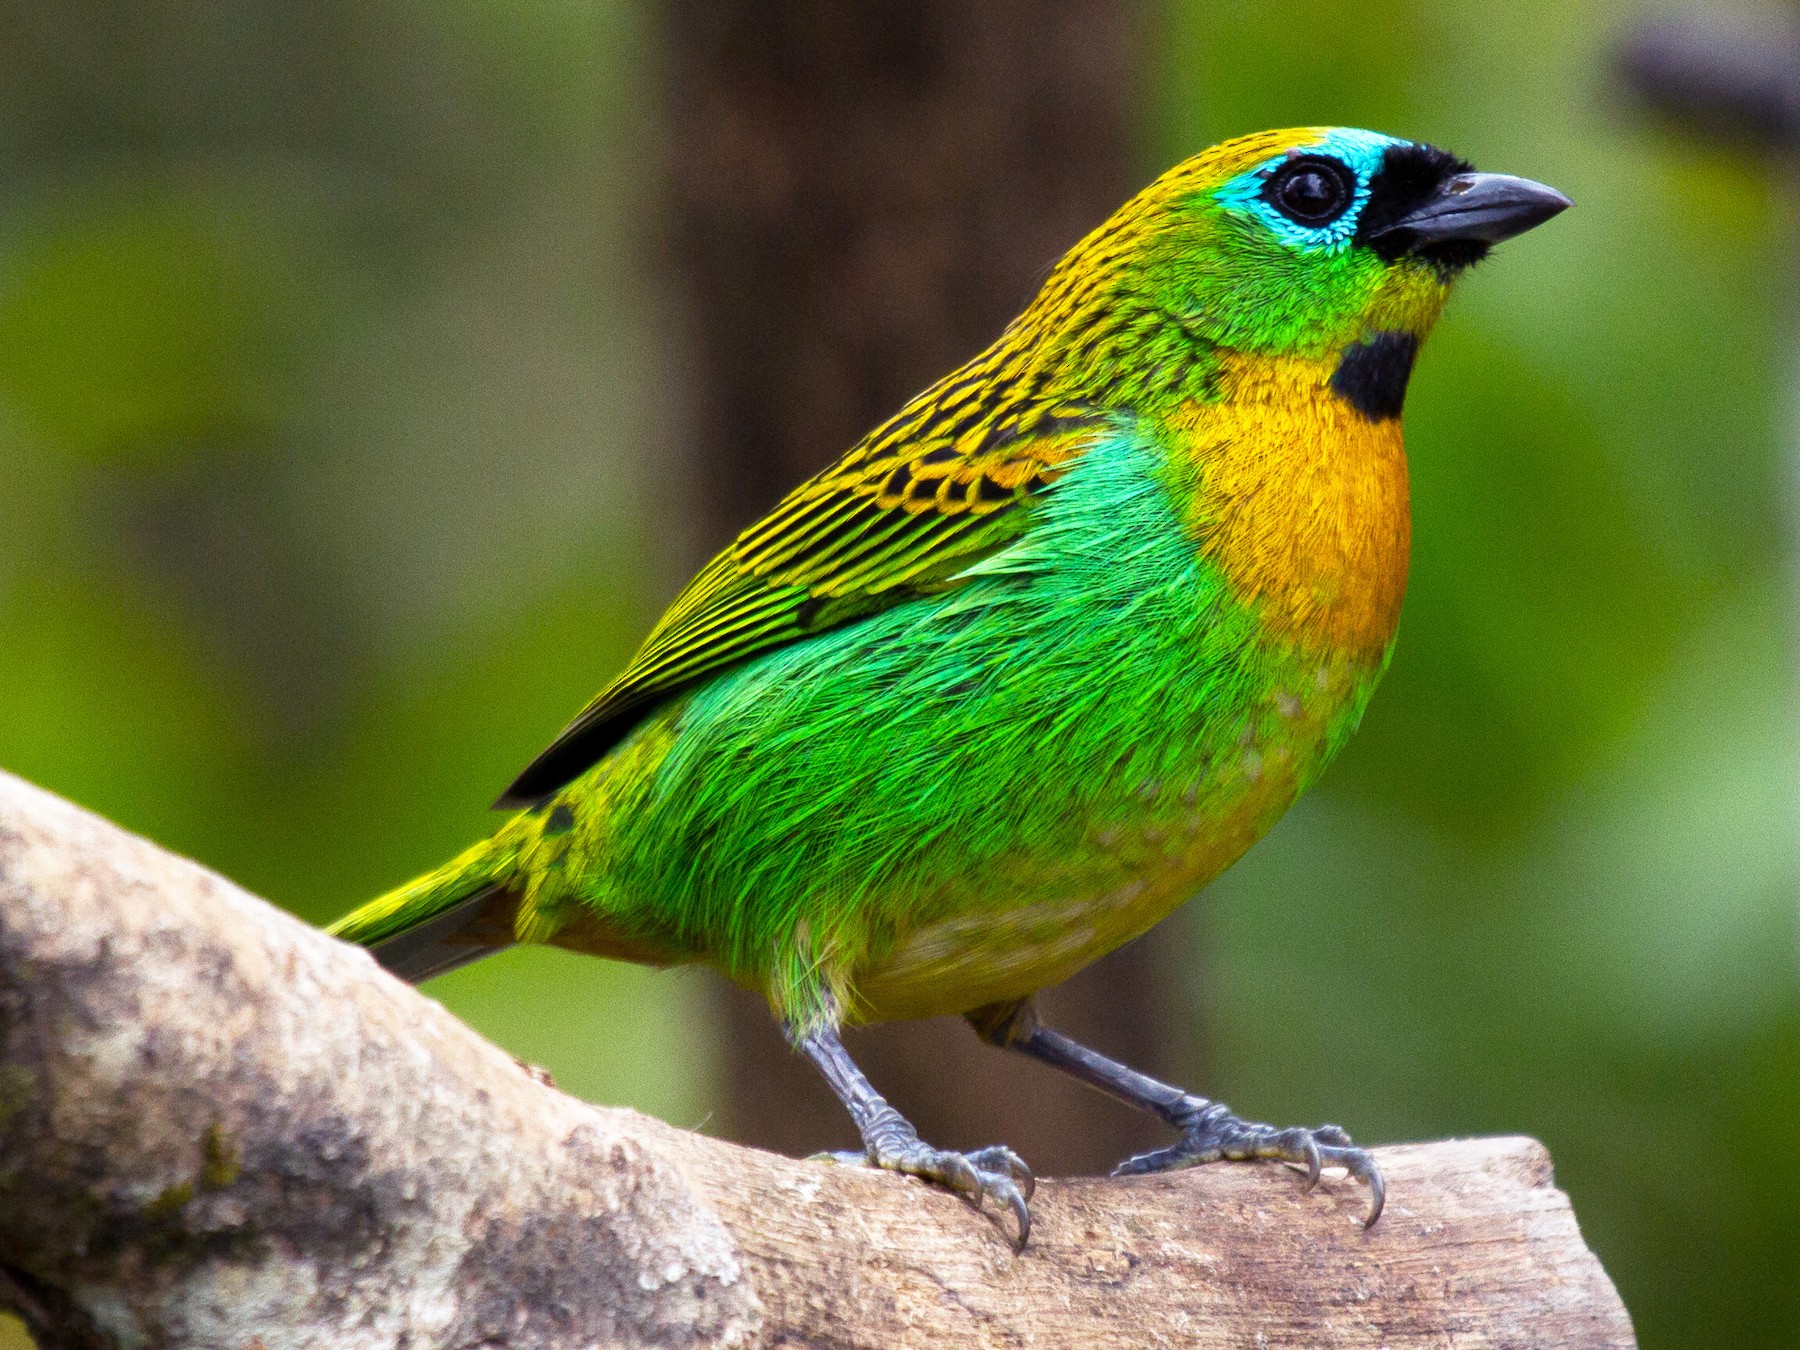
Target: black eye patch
1407	178
1311	190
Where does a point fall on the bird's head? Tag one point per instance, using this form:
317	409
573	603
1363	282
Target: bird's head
1302	243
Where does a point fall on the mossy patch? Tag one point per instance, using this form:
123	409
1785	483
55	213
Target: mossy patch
222	1163
17	1084
169	1201
219	1167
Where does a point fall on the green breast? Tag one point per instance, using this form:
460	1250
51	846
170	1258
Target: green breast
971	795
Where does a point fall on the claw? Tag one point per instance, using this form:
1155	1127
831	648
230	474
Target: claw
1000	1158
1358	1163
1211	1133
1377	1189
995	1173
1009	1193
1005	1176
1315	1164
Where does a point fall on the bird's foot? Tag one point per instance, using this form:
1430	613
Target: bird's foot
1210	1133
995	1173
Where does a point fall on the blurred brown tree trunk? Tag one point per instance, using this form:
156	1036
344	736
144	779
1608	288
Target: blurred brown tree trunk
863	195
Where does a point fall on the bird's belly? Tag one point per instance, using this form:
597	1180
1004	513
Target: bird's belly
1119	880
995	956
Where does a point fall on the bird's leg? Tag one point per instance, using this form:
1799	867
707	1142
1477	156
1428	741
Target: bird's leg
890	1142
1209	1130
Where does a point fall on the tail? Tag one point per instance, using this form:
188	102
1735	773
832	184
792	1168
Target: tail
445	919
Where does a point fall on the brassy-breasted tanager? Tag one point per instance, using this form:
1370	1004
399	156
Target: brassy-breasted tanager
1040	656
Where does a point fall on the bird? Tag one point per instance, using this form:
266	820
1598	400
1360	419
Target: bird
1035	660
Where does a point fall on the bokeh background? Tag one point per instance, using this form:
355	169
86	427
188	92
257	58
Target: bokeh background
347	443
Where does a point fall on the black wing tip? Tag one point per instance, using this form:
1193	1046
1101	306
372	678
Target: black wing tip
584	743
533	787
568	757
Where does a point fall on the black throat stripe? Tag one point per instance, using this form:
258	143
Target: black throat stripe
1372	374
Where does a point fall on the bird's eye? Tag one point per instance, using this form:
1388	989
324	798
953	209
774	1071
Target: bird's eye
1312	191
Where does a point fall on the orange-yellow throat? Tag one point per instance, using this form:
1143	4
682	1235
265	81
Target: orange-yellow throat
1301	500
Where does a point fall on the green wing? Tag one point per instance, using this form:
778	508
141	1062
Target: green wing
922	498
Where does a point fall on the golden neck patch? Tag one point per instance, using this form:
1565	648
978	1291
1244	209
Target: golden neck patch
1302	501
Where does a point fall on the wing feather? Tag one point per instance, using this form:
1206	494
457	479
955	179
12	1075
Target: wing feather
927	495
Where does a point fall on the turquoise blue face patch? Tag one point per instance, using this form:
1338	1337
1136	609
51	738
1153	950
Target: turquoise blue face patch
1361	152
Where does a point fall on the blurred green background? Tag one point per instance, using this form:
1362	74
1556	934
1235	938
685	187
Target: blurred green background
341	436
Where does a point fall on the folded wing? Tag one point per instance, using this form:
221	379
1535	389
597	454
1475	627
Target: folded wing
945	483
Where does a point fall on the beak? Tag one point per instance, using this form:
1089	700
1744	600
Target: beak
1481	208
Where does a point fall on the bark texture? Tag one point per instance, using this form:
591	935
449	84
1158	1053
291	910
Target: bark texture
220	1128
861	197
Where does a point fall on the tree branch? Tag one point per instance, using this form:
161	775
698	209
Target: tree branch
219	1127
